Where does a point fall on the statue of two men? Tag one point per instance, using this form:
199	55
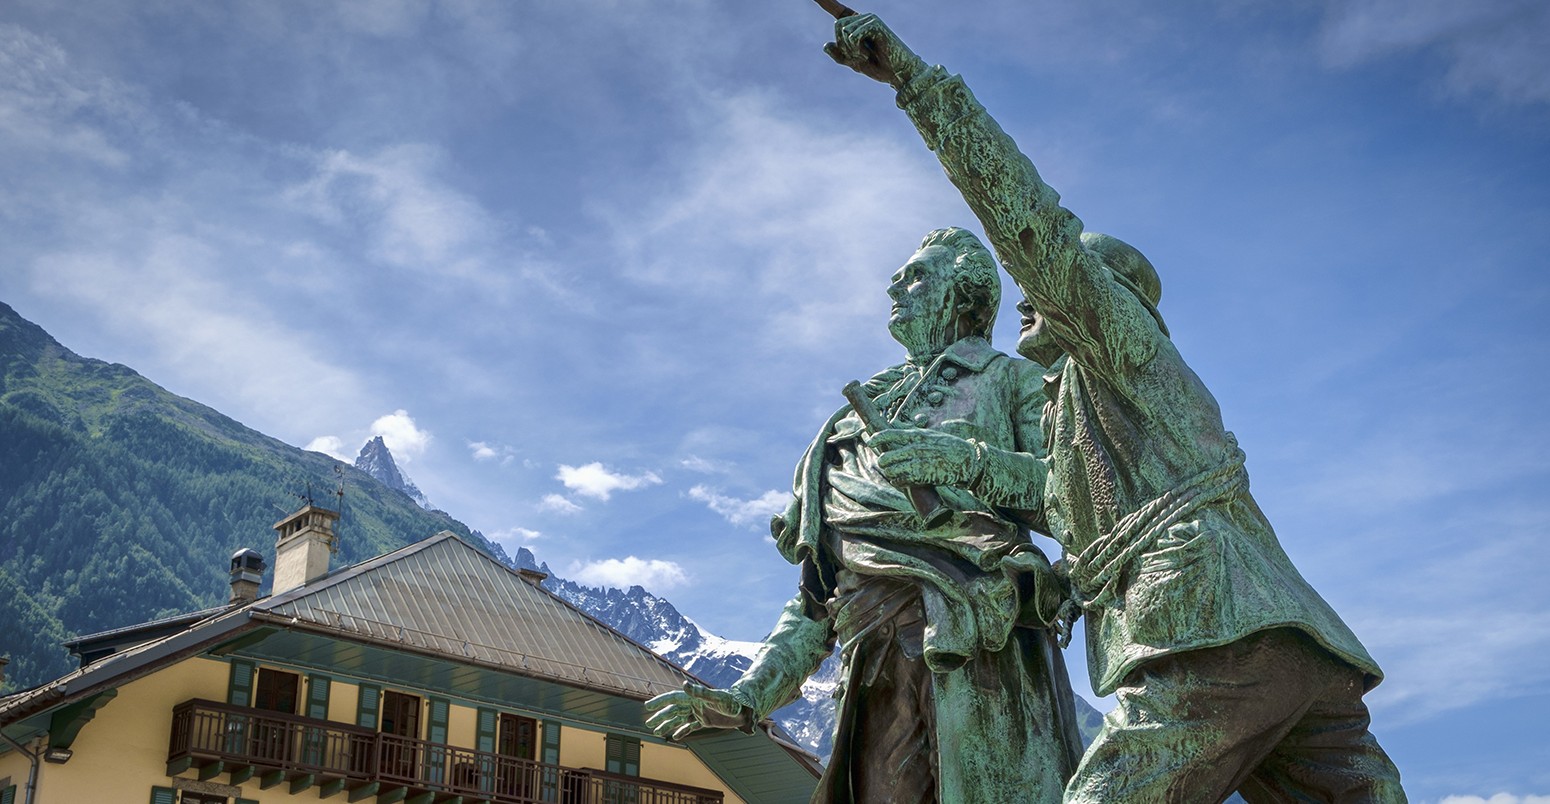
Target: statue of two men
1230	672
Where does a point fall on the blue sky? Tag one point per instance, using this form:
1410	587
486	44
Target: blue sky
598	270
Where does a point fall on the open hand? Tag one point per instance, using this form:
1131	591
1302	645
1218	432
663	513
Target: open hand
864	44
696	707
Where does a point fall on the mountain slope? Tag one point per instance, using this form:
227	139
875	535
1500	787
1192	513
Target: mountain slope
121	502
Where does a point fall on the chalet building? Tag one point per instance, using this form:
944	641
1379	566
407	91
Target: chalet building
429	674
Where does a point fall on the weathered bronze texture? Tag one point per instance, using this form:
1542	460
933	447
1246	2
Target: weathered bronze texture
1231	672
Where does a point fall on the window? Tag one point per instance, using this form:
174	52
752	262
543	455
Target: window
276	690
623	755
190	797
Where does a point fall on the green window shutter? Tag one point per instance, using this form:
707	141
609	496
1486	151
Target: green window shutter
623	755
484	739
440	711
370	702
240	691
8	794
317	697
550	754
164	795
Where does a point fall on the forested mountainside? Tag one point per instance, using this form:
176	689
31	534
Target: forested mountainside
121	502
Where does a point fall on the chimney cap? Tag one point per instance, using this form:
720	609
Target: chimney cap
247	559
532	576
329	516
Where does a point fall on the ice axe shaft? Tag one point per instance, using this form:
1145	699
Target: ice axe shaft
837	10
925	499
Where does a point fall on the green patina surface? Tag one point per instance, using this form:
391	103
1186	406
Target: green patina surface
1168	555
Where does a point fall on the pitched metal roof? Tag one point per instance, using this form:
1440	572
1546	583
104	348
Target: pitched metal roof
420	612
443	595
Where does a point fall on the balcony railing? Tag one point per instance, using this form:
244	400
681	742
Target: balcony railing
216	738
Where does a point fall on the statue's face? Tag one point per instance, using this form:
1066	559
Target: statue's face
922	292
1034	340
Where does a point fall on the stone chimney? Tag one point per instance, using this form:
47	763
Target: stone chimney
4	660
247	570
532	576
306	541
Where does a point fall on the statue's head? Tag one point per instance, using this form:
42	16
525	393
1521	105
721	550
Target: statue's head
1129	267
948	290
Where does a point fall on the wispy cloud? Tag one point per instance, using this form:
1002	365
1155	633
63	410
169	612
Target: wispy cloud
1499	798
395	200
751	512
486	451
800	220
597	481
653	574
515	536
1497	47
558	504
706	466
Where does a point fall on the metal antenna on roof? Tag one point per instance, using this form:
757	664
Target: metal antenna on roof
333	546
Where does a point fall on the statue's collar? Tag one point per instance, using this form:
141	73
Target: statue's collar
973	353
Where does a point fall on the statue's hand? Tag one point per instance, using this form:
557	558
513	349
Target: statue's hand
864	44
923	457
696	707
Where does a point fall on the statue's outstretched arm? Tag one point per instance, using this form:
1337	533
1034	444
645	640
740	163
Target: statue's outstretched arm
791	653
1037	240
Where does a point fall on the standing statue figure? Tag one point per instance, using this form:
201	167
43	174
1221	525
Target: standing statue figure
1231	672
953	687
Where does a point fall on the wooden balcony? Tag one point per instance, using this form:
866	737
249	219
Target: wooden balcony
218	739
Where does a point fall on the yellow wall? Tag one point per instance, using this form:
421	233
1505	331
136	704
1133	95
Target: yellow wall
122	753
15	766
672	763
582	748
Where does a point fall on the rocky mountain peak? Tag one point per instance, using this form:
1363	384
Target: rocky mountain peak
377	460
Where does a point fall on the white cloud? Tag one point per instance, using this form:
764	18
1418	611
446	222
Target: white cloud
802	222
595	480
332	446
1496	46
401	435
485	451
1499	798
654	574
754	512
695	463
516	536
393	197
558	504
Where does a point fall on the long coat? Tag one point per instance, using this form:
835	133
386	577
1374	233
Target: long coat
1002	714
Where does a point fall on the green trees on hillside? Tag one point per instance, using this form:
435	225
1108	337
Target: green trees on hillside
121	503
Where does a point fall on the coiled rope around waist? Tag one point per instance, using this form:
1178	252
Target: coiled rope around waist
1096	572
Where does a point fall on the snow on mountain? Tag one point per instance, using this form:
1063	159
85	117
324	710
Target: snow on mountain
654	622
377	460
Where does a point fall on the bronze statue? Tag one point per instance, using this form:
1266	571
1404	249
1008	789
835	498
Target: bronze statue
953	687
1231	672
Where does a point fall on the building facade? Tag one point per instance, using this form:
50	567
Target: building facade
430	674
